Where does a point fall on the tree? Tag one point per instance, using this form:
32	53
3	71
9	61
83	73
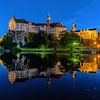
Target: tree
70	39
52	41
7	42
30	40
42	38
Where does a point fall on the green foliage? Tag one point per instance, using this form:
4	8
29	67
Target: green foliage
52	41
34	40
70	39
7	42
43	39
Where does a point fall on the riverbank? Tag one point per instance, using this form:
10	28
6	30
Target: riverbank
52	50
57	50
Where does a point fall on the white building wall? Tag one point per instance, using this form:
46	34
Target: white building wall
34	28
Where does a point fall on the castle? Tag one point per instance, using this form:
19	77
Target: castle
26	26
88	35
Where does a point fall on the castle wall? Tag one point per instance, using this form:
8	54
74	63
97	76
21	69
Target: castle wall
88	34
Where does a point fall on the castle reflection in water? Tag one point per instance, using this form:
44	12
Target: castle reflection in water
29	66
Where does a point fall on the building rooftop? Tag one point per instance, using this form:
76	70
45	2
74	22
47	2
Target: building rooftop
86	29
21	21
56	24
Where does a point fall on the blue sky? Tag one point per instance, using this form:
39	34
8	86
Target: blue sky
85	13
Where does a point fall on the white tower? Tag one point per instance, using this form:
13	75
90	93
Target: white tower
48	20
73	27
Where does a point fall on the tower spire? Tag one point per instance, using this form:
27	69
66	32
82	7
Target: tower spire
73	26
48	18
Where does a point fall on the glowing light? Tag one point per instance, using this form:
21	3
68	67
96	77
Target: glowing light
75	60
98	45
75	43
95	59
95	42
98	56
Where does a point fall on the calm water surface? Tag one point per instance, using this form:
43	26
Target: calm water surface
50	77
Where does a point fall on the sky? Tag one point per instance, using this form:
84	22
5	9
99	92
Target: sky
85	13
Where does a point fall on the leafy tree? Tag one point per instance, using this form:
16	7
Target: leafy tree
7	42
31	40
42	38
52	41
70	39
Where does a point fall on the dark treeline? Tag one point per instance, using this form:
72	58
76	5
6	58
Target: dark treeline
7	42
36	61
42	39
34	40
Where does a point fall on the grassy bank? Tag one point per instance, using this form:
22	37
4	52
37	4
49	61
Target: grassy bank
58	50
51	50
36	50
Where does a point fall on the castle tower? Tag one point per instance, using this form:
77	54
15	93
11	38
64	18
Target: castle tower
73	27
12	23
12	76
48	20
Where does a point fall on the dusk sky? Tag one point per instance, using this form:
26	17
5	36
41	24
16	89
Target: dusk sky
85	13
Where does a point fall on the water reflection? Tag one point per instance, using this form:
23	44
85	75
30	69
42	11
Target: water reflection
30	66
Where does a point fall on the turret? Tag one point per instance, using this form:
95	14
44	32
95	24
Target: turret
48	20
73	27
13	17
12	77
12	24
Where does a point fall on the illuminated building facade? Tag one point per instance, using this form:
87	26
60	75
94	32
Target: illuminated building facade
91	34
90	63
26	26
99	36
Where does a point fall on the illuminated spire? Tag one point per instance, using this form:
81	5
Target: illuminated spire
73	26
48	18
13	17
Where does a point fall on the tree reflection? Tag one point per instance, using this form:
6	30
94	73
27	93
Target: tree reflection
28	66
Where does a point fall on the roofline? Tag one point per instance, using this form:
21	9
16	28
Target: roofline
86	29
